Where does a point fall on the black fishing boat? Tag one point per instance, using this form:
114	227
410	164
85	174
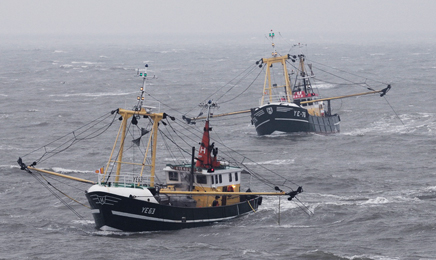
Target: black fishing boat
289	102
293	105
128	197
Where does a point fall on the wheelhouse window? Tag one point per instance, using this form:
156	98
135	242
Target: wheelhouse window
221	178
213	180
201	179
230	177
236	176
173	176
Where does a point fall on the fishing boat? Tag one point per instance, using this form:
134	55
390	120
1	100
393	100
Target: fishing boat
128	197
289	103
293	105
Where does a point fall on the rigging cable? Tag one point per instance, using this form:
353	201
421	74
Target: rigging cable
394	110
72	140
255	174
237	84
381	82
359	84
249	69
301	205
47	186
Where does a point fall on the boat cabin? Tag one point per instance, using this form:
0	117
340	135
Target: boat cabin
222	179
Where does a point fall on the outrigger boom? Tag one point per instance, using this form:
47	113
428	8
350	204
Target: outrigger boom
61	175
382	91
282	193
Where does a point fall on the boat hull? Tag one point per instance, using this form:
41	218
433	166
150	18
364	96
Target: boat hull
291	118
131	214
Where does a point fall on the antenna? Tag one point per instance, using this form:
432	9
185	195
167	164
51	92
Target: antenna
209	105
141	73
271	35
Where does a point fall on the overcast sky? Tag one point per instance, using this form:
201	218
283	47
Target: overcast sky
218	16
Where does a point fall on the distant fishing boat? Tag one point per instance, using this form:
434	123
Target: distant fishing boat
128	197
289	103
294	106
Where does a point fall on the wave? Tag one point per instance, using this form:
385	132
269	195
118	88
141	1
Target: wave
92	94
378	200
3	116
85	62
321	254
406	123
323	85
273	162
65	171
317	199
171	51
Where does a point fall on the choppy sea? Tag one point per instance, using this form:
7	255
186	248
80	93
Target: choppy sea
371	187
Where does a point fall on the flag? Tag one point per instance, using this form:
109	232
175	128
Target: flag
101	171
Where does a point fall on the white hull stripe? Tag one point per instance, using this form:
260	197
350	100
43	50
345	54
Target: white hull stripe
292	119
283	119
264	122
95	211
129	215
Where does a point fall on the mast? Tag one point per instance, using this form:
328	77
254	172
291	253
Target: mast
151	146
138	111
303	72
267	87
204	159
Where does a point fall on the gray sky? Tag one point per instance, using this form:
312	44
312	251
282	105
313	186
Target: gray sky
218	16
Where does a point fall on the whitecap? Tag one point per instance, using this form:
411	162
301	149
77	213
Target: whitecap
63	170
91	94
406	123
378	200
273	162
85	62
323	85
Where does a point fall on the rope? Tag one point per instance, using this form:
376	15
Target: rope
251	206
237	84
46	185
395	112
48	154
319	63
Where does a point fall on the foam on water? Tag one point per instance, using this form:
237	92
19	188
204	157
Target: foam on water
273	162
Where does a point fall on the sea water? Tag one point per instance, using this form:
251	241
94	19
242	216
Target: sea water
370	189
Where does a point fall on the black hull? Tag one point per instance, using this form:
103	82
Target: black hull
129	214
290	119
